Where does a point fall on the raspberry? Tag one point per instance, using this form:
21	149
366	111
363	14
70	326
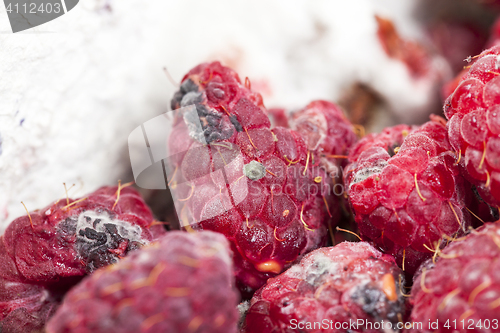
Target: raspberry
46	252
75	237
473	111
462	284
232	174
338	285
182	283
326	130
406	191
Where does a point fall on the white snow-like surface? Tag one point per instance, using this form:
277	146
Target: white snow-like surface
73	89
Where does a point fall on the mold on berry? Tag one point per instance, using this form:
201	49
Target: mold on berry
48	251
364	173
101	240
254	170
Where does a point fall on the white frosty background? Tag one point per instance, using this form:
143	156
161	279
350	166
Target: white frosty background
73	89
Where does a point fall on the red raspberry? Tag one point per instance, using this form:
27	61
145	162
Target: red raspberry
325	129
261	188
338	285
46	252
182	283
473	111
406	191
462	288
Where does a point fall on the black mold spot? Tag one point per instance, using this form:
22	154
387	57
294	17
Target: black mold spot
236	123
374	302
215	126
476	193
96	222
188	86
391	150
176	100
495	213
96	235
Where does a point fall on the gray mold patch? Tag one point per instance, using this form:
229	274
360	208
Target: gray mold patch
368	171
101	223
254	170
97	234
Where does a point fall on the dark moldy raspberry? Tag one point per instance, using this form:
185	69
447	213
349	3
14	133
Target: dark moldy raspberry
182	283
260	187
74	237
460	286
47	251
341	284
406	199
210	99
